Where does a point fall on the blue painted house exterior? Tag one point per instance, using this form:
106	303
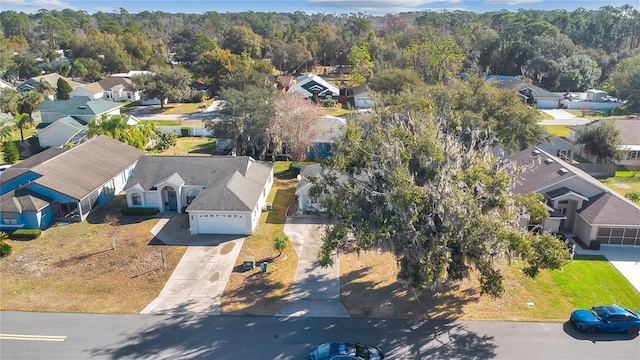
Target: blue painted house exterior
62	184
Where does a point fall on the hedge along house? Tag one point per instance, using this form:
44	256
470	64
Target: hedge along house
64	184
222	195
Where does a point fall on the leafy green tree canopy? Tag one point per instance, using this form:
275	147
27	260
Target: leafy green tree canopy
602	140
442	205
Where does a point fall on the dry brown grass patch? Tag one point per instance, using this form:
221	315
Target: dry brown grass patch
253	292
369	288
73	268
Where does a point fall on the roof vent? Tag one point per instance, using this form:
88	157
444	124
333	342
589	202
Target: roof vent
563	171
82	107
548	161
536	152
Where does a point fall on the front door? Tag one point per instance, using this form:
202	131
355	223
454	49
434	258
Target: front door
173	200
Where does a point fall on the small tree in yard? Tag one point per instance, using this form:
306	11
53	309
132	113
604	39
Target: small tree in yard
11	153
280	243
603	141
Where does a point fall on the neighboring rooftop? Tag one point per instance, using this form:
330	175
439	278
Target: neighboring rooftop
79	106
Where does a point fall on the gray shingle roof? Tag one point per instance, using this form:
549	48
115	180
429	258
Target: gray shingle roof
26	165
609	209
544	170
78	171
232	183
518	85
22	199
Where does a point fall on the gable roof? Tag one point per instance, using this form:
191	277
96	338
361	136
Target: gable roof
518	85
610	209
364	88
79	106
544	170
629	131
310	85
52	79
79	171
332	128
68	122
232	183
107	84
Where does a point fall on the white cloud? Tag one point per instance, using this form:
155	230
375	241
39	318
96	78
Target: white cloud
510	2
38	4
382	6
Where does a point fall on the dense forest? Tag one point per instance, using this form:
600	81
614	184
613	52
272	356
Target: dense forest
558	50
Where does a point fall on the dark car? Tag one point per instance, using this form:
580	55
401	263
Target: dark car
345	351
607	318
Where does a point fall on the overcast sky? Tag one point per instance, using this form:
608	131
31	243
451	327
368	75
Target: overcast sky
374	7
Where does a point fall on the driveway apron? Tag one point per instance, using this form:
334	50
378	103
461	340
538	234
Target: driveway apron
316	290
197	283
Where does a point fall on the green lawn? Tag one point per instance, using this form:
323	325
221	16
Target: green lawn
546	116
592	280
557	130
161	122
624	184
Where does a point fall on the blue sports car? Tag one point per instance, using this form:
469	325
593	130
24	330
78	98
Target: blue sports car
345	351
608	318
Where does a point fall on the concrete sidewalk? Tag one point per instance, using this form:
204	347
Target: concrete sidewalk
197	283
316	290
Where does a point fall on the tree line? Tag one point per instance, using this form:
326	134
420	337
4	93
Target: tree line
559	50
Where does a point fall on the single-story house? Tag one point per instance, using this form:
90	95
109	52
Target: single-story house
81	107
531	94
579	204
52	79
64	184
68	130
560	147
629	132
361	98
221	194
132	73
314	87
324	145
111	88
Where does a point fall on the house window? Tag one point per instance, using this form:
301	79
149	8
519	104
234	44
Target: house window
9	219
136	199
192	195
129	95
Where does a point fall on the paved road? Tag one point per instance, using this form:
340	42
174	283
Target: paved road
87	336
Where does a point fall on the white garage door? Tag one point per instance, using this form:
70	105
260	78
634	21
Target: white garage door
222	224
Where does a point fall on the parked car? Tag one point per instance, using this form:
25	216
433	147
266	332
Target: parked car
345	351
4	167
606	318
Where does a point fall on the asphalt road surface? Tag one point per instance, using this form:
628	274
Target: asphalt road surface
84	336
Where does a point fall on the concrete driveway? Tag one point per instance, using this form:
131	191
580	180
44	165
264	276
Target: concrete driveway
198	281
316	290
561	117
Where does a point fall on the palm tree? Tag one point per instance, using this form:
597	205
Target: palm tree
77	69
116	127
44	88
29	102
6	132
21	120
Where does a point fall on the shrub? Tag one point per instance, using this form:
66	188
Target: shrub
166	140
329	103
295	168
11	152
26	234
633	196
5	249
184	131
199	97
